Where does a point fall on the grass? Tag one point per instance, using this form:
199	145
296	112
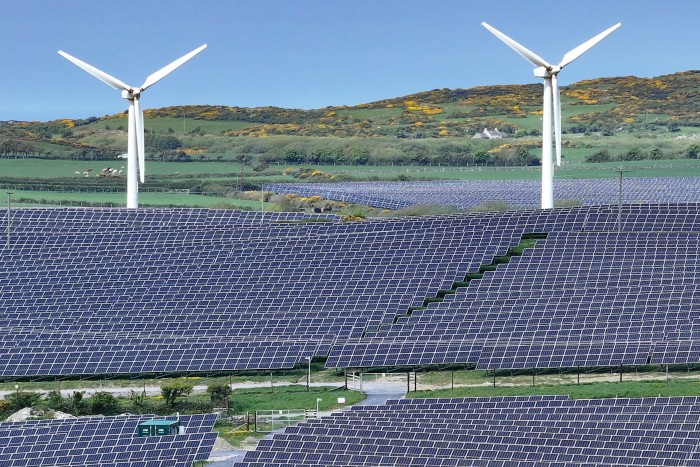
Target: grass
598	390
51	198
283	398
178	125
65	168
292	398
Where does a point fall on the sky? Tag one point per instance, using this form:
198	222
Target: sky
310	54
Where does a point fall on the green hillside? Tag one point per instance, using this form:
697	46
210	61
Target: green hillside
651	123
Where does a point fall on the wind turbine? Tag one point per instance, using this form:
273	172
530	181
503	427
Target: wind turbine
552	102
135	149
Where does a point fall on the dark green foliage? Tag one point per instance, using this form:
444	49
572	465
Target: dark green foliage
103	403
599	156
633	154
161	142
54	401
219	394
21	399
692	152
78	405
656	154
175	390
481	158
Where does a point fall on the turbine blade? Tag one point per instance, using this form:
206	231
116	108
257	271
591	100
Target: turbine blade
581	49
166	70
556	103
140	143
99	74
527	54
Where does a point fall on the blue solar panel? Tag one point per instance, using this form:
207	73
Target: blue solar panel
498	431
104	441
98	291
467	194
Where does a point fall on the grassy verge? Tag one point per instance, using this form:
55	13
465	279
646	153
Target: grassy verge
283	398
576	391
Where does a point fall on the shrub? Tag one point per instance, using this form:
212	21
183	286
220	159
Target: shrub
600	156
692	152
78	404
104	403
54	401
21	399
219	394
656	154
633	154
173	391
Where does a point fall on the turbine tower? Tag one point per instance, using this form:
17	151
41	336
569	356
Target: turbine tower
135	149
551	108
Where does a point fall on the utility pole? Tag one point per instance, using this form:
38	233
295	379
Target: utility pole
9	215
619	200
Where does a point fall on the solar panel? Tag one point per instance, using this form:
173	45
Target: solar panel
494	431
104	441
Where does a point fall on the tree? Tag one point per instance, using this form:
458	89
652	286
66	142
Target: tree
78	403
656	153
600	156
54	401
481	158
173	391
292	156
21	399
633	154
104	403
219	394
692	152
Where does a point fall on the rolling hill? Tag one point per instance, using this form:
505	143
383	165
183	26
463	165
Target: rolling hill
613	120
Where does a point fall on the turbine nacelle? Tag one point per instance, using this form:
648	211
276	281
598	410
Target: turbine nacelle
131	94
547	71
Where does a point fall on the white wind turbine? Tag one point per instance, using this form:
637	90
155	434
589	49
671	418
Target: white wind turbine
551	102
135	153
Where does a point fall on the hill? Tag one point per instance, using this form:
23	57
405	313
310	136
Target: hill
604	120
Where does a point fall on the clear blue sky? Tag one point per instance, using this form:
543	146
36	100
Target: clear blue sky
316	53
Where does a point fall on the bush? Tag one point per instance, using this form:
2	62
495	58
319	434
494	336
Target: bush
219	394
173	391
104	403
54	401
78	405
600	156
692	152
656	154
21	399
633	154
5	407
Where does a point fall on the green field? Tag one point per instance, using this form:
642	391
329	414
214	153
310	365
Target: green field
576	391
181	125
145	199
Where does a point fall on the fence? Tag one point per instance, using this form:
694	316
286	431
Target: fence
271	420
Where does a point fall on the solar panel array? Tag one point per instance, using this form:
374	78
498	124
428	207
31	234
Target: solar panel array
109	291
467	194
508	431
113	291
578	299
104	441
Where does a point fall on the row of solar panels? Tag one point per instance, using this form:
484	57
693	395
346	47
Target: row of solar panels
518	431
104	441
467	194
130	297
